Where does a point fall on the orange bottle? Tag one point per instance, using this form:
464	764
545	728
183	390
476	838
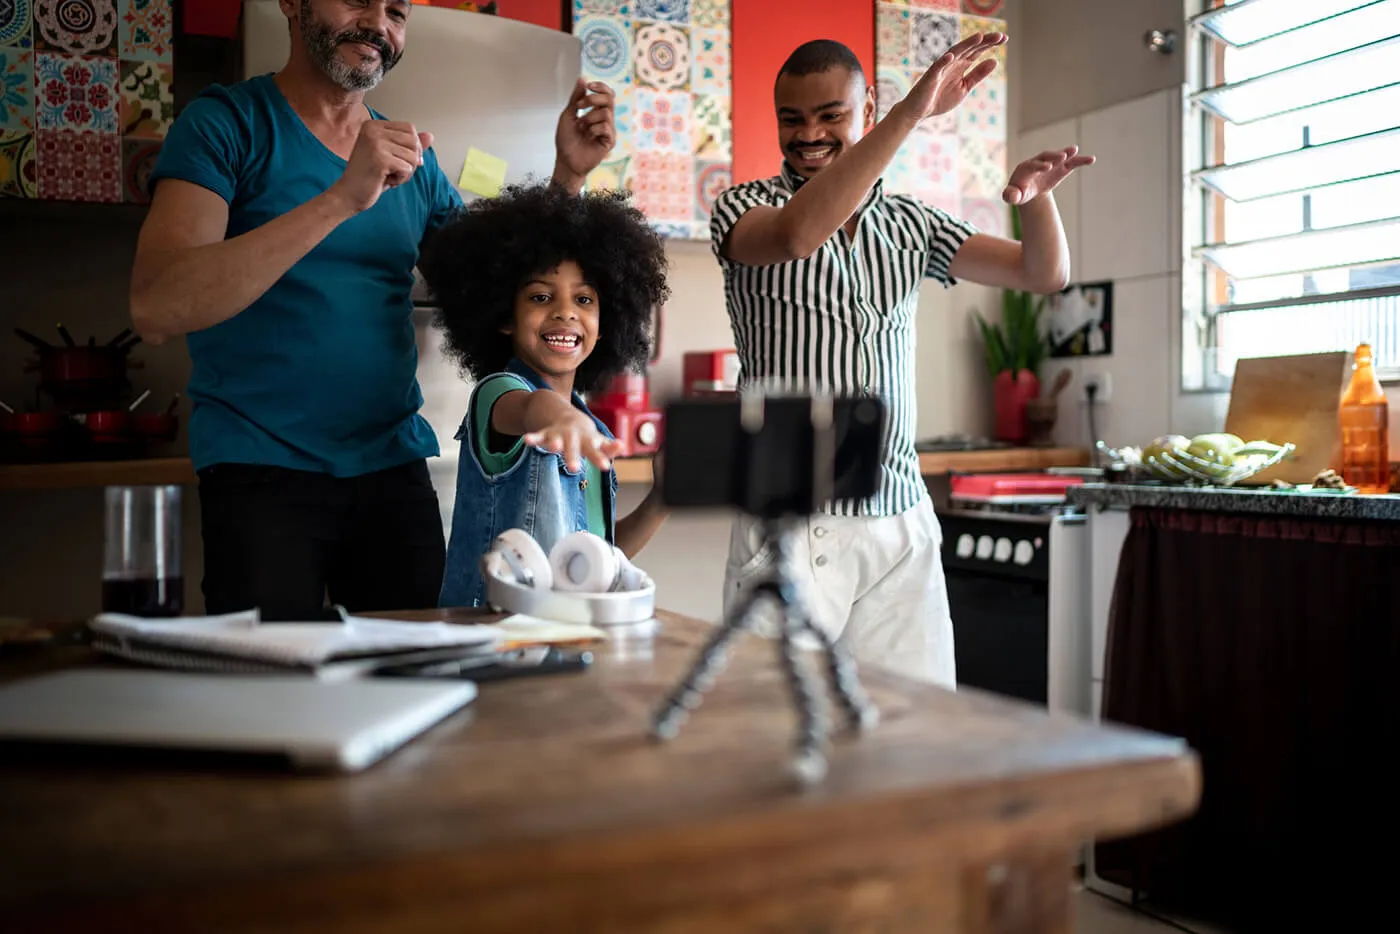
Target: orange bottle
1365	417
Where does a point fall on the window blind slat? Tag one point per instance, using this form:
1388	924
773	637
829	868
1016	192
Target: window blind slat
1246	22
1364	68
1307	168
1335	247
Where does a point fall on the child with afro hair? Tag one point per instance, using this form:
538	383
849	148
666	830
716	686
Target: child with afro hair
542	296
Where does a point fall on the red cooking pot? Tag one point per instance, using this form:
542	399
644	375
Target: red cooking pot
82	377
36	424
35	435
108	425
58	365
160	427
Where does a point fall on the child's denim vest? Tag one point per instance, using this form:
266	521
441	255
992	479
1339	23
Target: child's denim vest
538	495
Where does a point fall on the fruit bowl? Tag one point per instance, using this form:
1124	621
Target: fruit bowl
1178	465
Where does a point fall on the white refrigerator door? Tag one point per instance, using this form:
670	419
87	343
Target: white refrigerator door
470	79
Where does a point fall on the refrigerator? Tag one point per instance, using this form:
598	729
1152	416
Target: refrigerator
473	80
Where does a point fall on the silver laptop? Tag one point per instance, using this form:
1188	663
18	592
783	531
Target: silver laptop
341	725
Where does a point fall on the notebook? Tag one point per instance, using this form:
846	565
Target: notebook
342	726
241	643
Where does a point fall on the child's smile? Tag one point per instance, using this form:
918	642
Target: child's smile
556	323
563	341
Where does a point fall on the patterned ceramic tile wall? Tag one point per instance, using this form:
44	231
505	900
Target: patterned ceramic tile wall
956	161
85	97
669	62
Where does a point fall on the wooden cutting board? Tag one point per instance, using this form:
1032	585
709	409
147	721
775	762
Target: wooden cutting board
1291	399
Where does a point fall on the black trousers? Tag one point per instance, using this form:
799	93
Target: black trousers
283	540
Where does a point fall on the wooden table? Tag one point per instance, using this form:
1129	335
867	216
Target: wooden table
544	808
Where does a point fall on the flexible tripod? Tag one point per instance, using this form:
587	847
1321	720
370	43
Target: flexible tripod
809	763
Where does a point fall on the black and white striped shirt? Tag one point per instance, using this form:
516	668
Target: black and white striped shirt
842	320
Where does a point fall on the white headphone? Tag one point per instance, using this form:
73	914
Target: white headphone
582	580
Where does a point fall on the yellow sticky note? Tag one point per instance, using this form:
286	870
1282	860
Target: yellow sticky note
482	174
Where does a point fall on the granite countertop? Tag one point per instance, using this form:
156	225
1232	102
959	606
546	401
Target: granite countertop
1221	499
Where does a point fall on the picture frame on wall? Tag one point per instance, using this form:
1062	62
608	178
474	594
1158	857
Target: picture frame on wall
1079	320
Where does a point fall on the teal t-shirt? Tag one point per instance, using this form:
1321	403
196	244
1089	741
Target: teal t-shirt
320	373
496	462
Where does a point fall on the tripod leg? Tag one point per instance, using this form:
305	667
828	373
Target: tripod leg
810	762
841	668
707	666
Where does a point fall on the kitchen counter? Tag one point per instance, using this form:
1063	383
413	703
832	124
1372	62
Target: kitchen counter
178	470
1255	502
544	807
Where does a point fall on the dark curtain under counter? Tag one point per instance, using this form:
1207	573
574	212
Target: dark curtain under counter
1270	641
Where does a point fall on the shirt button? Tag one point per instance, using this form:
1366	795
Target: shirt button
819	533
821	561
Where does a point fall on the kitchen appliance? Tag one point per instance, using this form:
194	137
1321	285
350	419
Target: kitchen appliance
1015	555
625	405
957	442
708	372
82	377
81	408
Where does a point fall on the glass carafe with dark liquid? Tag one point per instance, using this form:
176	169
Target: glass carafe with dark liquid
141	573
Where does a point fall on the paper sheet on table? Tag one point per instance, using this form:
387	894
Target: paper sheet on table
482	174
531	630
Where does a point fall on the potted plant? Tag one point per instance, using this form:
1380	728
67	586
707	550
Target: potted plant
1015	350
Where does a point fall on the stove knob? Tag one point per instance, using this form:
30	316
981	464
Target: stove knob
646	434
984	547
1025	551
1003	551
965	545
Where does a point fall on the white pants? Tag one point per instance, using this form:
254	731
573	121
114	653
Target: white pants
875	584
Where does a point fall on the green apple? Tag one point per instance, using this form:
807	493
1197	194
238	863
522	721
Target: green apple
1152	455
1218	448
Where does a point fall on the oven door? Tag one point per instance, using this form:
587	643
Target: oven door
1019	595
998	572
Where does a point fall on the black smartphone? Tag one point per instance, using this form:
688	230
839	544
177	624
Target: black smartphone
787	455
498	666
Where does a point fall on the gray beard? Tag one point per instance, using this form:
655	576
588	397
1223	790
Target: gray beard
323	46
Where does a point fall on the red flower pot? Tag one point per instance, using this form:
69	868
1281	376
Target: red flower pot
1010	393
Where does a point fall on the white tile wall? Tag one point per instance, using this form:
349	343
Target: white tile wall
1122	219
1139	370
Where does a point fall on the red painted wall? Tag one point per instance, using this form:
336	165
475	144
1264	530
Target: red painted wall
549	13
765	33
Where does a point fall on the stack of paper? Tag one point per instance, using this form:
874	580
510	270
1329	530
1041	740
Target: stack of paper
241	642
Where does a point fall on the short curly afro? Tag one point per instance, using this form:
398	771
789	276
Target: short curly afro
476	264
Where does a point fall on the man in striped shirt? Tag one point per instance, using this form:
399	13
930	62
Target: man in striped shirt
822	272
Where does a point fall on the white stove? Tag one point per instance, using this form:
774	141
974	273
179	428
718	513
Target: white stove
1016	557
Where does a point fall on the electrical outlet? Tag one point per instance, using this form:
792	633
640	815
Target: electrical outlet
1104	390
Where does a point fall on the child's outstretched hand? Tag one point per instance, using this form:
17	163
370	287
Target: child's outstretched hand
576	437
